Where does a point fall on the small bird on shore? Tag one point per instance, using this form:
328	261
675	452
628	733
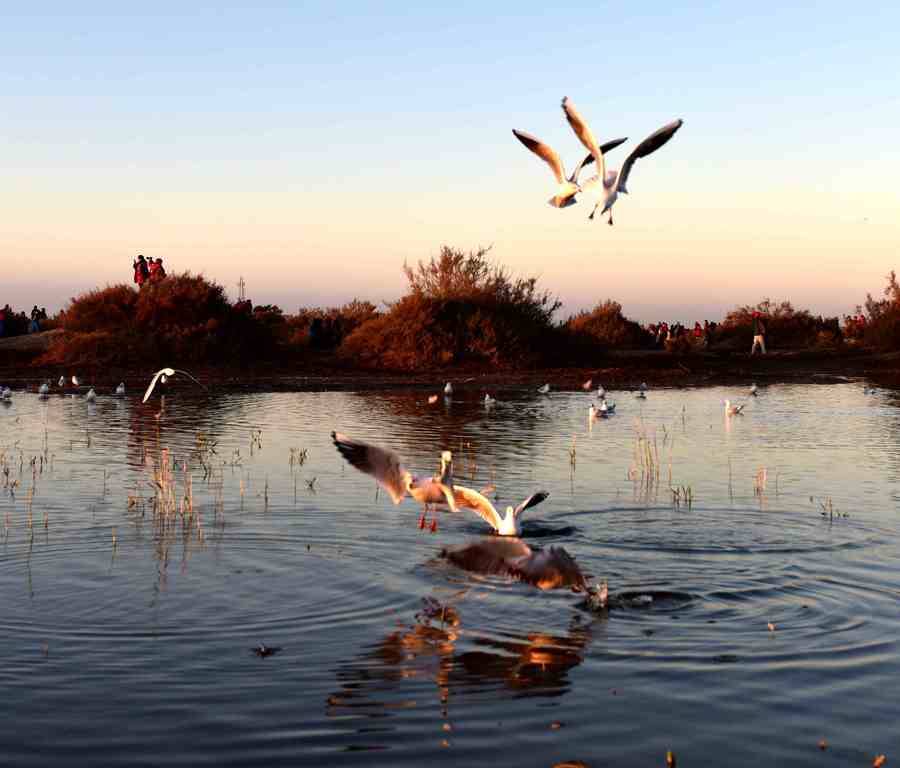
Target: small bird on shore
508	524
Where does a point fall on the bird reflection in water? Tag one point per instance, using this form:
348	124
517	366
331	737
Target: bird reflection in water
438	649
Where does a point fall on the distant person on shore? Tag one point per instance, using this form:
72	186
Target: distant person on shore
141	271
759	334
156	270
35	325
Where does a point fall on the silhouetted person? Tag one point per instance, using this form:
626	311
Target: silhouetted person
141	271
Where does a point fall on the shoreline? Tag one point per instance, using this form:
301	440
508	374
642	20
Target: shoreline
619	370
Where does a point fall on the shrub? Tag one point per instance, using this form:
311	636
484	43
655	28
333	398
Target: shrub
606	325
183	318
785	326
882	328
460	308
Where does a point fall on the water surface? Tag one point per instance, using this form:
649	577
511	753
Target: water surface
127	639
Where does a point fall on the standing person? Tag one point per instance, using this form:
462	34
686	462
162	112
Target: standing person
35	325
153	268
160	272
141	271
759	334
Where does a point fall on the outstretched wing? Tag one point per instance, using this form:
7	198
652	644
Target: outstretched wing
549	569
491	555
543	151
584	134
471	499
383	464
531	501
589	158
166	371
649	145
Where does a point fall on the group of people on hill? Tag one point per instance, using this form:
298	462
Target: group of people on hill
854	325
148	270
664	333
14	323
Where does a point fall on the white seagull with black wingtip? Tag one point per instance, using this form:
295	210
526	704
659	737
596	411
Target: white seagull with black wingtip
509	524
610	183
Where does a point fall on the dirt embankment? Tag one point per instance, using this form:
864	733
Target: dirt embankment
617	370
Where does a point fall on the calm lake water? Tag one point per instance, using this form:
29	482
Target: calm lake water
139	652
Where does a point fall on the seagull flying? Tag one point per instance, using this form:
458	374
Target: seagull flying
610	183
509	524
568	188
164	374
384	465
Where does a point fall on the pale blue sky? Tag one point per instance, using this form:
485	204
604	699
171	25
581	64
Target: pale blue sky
312	147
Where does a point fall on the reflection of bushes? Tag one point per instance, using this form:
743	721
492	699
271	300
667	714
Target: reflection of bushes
184	318
786	327
606	325
460	308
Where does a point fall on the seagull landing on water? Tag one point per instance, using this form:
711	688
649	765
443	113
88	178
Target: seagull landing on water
610	183
163	375
385	466
545	389
567	188
549	568
733	410
509	524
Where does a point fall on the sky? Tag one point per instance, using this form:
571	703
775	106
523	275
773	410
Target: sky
312	148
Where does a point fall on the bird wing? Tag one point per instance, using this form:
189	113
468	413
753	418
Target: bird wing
531	501
491	555
649	145
382	463
167	371
185	373
584	134
543	151
589	158
471	499
548	569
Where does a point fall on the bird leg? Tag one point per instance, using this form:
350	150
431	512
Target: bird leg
434	525
422	522
610	222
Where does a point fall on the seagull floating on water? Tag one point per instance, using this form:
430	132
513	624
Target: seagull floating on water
597	413
733	410
385	466
448	389
489	401
601	393
91	396
610	183
5	393
549	568
508	524
642	390
568	188
587	385
753	389
44	389
62	381
545	389
120	390
75	381
163	375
